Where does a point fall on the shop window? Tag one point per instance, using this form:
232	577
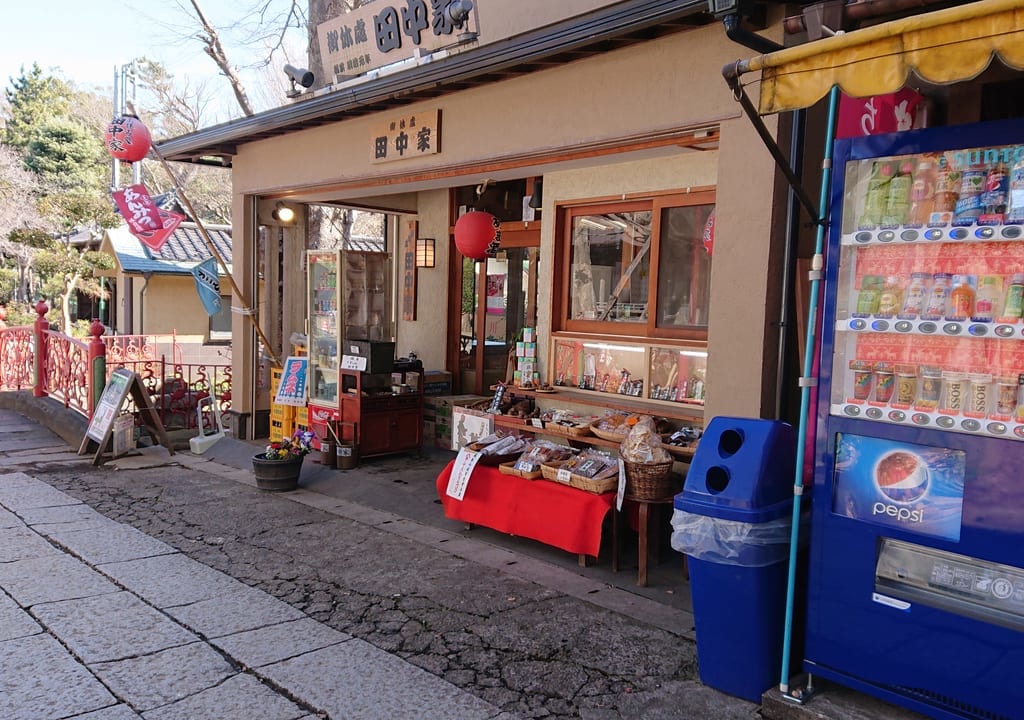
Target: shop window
638	268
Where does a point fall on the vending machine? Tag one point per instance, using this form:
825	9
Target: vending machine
916	578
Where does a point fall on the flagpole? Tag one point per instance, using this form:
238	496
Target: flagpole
246	310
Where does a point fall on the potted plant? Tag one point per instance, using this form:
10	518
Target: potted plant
277	468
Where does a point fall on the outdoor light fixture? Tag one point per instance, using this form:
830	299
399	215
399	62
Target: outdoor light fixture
283	214
424	252
299	76
536	201
458	13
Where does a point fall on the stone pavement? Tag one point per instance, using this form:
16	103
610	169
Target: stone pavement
169	587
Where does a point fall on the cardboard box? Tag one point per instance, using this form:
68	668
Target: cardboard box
437	382
443	405
469	425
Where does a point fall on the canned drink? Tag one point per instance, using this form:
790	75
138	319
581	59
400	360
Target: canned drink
979	397
885	382
1006	395
862	376
929	388
953	392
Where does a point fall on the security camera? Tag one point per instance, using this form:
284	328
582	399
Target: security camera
458	11
299	75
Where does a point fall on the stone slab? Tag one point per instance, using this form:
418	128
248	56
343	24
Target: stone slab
242	609
275	643
35	494
20	543
150	681
15	622
116	712
110	627
76	515
168	580
357	680
16	478
39	679
51	578
240	696
9	519
107	544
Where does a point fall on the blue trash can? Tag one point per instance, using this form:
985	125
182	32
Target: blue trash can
733	521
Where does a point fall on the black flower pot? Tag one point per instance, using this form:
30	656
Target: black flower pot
277	475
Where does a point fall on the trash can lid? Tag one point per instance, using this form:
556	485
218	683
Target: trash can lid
699	505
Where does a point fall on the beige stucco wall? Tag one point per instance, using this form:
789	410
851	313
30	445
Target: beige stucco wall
661	86
170	303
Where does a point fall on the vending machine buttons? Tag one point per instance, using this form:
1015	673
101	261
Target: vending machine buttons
996	428
920	419
945	422
971	425
927	328
1012	232
958	233
909	235
952	328
978	330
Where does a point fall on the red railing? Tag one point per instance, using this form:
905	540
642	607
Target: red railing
17	357
53	364
65	374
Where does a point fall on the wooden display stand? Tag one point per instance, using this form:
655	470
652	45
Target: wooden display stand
99	434
379	424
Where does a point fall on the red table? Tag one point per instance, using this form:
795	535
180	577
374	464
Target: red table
550	512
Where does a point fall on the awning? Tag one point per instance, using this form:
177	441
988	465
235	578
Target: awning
940	47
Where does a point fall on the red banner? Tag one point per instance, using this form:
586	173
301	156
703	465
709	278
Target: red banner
898	111
145	220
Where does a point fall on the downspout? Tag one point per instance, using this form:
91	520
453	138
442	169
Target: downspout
142	303
738	34
789	260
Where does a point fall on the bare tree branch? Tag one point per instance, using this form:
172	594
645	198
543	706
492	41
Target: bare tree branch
212	47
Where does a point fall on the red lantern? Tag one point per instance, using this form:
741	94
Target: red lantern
477	235
127	138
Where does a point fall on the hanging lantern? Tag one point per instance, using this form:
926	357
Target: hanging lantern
709	233
127	138
477	235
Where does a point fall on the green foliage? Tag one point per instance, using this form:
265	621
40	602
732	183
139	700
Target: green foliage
67	157
9	280
468	285
32	99
32	237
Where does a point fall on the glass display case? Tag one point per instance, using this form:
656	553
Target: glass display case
348	301
929	297
652	372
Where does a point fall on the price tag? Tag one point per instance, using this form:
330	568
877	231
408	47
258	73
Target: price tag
564	476
461	470
622	485
353	362
537	423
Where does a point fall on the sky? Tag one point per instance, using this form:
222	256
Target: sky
86	39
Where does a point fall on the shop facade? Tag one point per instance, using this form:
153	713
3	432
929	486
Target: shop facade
622	133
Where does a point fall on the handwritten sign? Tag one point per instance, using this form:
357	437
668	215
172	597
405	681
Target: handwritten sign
622	485
409	272
465	462
353	362
292	389
109	406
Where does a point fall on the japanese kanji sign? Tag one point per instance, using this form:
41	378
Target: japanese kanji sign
381	33
408	136
292	390
151	225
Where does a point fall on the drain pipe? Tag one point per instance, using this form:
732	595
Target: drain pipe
738	34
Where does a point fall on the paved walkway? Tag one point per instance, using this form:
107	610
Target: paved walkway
101	621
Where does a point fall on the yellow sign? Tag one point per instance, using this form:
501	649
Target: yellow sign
408	136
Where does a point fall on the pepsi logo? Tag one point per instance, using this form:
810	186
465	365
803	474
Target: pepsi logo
902	476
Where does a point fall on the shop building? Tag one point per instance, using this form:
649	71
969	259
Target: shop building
639	214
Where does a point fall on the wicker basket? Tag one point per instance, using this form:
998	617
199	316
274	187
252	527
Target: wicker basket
567	430
509	468
550	472
650	481
607	434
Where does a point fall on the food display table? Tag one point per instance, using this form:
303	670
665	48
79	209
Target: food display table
554	514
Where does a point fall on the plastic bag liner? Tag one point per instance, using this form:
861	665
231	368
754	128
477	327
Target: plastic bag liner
731	542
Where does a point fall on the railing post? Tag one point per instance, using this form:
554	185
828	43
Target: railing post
40	327
97	364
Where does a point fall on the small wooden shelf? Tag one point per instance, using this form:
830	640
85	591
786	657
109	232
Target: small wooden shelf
685	412
682	454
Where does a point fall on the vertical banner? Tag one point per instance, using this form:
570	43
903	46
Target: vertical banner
409	272
292	388
208	285
151	225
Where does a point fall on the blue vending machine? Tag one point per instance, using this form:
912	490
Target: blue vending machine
916	578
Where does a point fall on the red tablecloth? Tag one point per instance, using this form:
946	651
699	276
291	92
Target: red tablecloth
542	510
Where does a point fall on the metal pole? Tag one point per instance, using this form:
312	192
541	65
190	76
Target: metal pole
807	382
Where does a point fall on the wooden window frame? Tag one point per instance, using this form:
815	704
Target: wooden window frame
565	214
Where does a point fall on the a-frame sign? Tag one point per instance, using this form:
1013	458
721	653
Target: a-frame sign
121	382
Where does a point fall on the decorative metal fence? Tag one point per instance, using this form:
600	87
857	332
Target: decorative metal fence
53	364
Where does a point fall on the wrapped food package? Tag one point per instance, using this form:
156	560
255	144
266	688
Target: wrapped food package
643	444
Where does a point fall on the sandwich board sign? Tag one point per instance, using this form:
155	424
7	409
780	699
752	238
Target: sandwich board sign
120	384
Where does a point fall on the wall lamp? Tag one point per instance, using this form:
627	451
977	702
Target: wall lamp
299	76
425	252
283	214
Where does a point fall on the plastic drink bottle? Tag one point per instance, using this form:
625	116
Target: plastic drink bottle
1013	307
922	192
916	295
987	301
961	299
890	299
938	298
876	198
897	200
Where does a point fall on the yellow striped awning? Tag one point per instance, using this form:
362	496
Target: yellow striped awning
941	47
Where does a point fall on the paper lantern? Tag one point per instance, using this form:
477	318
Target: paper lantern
709	233
477	235
127	138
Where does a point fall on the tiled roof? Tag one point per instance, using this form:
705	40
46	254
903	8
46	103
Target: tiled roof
184	249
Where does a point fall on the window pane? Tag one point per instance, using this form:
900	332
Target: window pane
220	324
611	266
684	267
